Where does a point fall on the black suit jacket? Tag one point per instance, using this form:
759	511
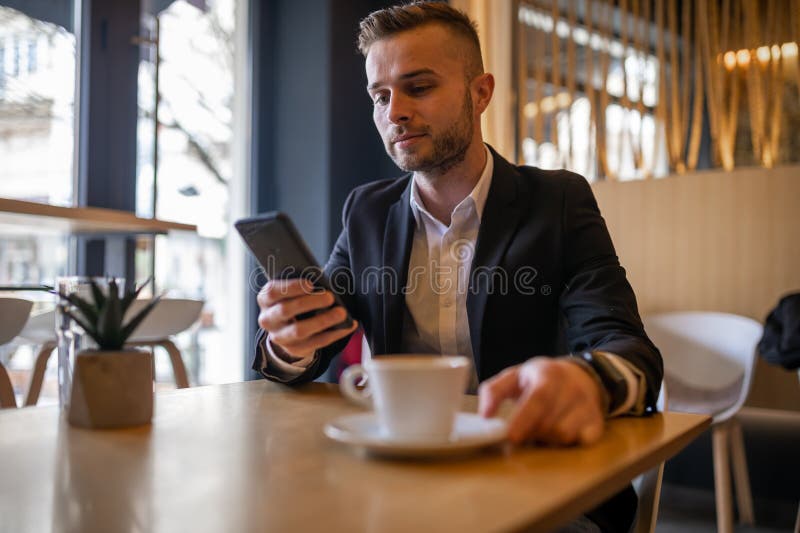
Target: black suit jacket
545	279
542	234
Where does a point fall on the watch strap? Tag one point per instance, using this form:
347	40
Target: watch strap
604	397
614	383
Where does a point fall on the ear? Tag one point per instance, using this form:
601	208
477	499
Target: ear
482	89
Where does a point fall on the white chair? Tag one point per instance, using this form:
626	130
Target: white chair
168	318
708	367
14	313
39	331
648	485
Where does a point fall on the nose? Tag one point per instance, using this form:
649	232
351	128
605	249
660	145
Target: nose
399	109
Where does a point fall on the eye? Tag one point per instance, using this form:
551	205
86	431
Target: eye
419	89
380	99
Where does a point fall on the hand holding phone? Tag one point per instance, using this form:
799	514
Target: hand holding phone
283	301
298	308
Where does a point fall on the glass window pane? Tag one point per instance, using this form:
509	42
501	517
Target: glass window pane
195	131
37	92
563	121
185	164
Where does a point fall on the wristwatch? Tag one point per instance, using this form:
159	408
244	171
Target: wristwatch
614	383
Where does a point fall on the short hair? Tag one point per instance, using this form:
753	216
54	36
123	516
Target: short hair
397	19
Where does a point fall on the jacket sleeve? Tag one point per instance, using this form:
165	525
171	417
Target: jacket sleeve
339	272
598	303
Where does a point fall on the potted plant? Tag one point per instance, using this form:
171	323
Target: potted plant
112	386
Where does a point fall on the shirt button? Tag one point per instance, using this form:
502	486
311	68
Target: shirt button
448	302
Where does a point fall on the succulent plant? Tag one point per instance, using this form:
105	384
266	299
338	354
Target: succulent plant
103	317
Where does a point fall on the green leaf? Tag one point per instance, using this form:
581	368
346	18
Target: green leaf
88	310
131	295
109	321
143	285
113	344
92	332
128	294
97	294
113	289
134	322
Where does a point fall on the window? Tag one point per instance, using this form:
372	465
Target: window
37	87
32	58
2	70
15	60
186	170
36	139
630	90
588	97
36	109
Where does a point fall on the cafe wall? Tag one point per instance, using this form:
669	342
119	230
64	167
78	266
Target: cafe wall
650	101
716	241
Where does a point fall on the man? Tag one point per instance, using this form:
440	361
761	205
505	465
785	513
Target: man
470	254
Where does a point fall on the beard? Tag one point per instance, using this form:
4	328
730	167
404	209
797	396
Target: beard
449	147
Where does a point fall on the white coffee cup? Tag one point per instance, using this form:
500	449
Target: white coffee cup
416	397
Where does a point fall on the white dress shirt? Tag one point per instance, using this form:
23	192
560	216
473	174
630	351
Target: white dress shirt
438	274
438	283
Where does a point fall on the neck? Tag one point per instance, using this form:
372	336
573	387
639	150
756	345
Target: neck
441	190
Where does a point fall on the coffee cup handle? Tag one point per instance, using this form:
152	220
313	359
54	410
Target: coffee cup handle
352	375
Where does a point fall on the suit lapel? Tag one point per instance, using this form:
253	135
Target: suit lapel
501	216
397	242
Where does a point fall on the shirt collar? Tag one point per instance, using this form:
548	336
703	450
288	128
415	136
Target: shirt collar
477	197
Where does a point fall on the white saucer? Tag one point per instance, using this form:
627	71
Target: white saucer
471	432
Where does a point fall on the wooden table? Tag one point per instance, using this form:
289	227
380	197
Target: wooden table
252	457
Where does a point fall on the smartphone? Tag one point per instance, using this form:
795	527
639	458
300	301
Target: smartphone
283	254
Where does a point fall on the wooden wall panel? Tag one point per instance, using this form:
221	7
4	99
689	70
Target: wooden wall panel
712	241
495	19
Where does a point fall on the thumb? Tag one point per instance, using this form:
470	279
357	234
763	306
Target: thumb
491	393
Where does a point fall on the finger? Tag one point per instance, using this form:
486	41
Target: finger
321	340
492	392
530	409
559	408
567	397
558	393
302	330
285	310
264	321
567	429
590	419
276	290
593	430
270	321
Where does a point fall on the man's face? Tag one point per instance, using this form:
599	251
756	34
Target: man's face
423	108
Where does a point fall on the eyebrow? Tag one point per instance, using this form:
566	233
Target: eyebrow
406	76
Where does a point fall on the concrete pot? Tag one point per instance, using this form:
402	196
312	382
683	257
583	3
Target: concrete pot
111	389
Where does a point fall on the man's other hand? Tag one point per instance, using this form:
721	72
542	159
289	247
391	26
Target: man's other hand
557	402
281	301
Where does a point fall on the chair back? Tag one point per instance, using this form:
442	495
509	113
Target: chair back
14	313
169	317
711	355
40	328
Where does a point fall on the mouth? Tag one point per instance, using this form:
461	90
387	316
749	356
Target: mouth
407	140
